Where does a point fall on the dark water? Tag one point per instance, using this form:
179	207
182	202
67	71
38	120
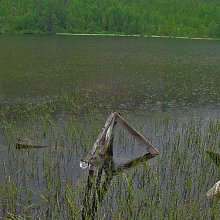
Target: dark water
155	71
147	78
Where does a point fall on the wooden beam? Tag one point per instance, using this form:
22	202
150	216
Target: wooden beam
92	152
132	163
102	143
26	144
152	150
214	191
107	138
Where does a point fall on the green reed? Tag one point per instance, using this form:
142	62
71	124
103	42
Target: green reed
48	183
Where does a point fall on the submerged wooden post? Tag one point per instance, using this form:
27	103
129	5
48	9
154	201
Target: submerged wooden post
103	149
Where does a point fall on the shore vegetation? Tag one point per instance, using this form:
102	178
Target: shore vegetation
178	18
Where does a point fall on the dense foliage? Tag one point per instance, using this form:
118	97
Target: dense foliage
197	18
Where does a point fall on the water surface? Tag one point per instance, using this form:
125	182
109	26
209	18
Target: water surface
153	70
60	90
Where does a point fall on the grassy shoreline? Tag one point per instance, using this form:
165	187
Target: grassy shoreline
136	35
117	35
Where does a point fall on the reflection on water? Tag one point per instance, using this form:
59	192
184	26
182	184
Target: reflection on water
99	179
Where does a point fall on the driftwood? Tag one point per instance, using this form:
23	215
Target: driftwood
26	144
102	143
215	190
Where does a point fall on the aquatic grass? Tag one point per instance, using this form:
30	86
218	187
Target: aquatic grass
46	183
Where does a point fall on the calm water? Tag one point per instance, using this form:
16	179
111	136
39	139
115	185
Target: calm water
155	71
154	77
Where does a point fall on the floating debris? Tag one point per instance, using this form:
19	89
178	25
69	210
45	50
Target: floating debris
26	144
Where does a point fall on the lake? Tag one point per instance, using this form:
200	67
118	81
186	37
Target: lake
59	90
170	71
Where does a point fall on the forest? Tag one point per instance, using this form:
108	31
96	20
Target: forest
197	18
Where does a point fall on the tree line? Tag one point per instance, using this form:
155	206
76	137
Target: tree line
197	18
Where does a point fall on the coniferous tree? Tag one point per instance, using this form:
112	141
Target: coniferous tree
199	18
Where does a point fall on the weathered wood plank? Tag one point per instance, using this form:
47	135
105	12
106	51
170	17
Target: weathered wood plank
214	191
133	163
100	137
26	144
152	150
106	140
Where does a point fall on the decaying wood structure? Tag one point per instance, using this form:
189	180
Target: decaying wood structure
27	144
100	158
101	173
215	190
102	143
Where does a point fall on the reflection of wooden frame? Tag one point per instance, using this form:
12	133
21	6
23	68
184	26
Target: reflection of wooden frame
102	152
97	184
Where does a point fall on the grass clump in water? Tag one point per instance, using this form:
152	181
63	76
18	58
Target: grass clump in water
48	183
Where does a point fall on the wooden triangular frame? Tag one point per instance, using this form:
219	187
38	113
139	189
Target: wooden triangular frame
106	168
102	143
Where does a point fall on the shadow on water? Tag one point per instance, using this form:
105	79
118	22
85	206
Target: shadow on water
100	177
